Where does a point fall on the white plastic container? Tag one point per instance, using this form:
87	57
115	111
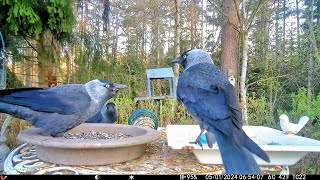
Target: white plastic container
283	149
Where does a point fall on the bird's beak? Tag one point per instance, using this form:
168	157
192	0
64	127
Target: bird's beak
119	86
177	60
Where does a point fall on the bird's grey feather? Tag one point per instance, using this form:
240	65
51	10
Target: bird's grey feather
56	110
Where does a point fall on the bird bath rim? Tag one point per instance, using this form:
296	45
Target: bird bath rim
142	135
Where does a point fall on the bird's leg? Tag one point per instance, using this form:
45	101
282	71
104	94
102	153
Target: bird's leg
197	141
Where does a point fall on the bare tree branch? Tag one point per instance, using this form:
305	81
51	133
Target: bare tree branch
233	25
266	79
238	13
312	38
29	43
253	14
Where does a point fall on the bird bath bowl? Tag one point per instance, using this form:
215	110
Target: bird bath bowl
91	151
283	149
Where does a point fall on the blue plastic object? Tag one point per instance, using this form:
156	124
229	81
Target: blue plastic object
203	138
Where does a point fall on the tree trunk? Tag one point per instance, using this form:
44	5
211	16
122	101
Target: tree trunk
42	61
312	38
143	42
298	24
158	43
42	72
244	67
317	17
13	66
29	68
46	50
177	34
193	23
277	31
229	41
203	28
68	62
310	74
115	43
244	34
284	29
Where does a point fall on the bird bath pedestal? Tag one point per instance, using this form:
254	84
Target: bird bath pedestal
283	149
88	151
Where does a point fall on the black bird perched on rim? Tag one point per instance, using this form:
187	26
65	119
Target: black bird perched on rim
58	109
211	99
107	114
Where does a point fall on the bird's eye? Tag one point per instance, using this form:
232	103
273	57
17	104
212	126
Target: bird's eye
107	85
184	57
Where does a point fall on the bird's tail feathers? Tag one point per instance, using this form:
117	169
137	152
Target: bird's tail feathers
5	109
303	120
255	148
10	109
236	159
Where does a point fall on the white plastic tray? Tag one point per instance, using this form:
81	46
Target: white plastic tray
288	150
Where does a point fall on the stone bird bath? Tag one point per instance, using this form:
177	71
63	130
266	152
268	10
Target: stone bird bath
91	151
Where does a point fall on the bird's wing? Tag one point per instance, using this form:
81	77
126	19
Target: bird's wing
10	91
207	95
47	100
209	91
209	106
229	93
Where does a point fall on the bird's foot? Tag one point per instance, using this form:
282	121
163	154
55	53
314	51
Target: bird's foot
197	141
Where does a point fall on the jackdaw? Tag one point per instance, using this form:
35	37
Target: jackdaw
107	114
211	99
58	109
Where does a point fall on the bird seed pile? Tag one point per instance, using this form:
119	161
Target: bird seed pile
95	135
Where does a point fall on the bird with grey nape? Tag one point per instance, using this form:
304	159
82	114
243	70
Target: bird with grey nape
107	114
211	99
58	109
